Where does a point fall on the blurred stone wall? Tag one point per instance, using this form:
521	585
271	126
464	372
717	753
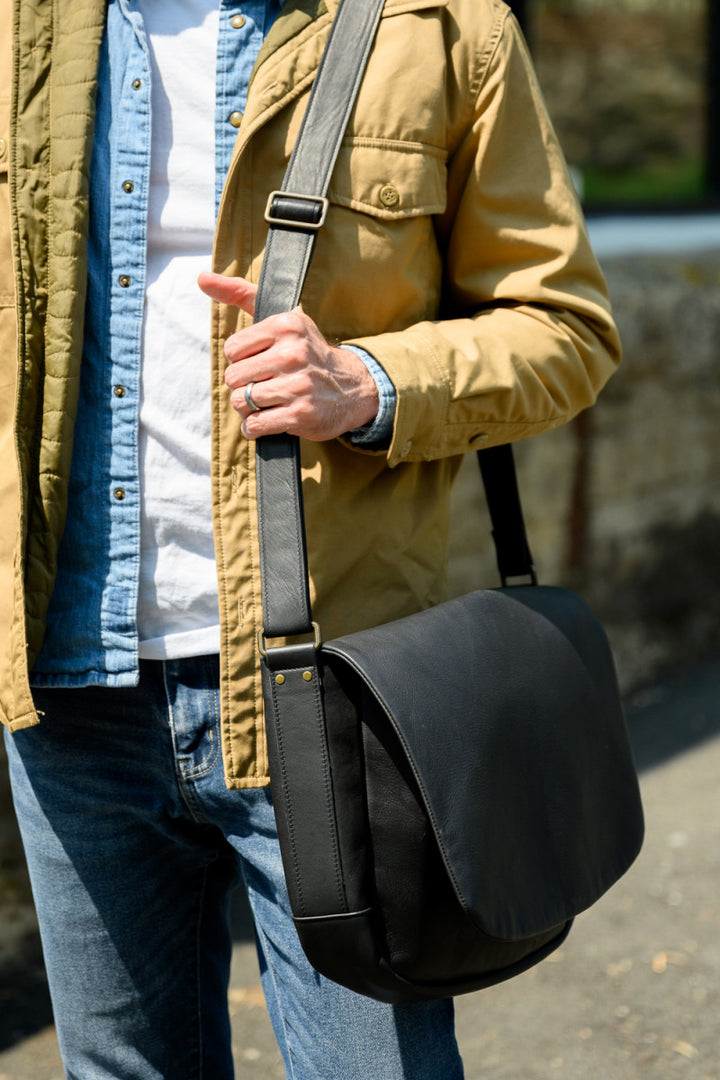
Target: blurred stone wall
624	503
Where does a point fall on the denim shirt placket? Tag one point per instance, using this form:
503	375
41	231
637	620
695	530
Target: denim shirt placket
130	141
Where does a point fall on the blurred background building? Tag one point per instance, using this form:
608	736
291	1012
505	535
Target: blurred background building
624	504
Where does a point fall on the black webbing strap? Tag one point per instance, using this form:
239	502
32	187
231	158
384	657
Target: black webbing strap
497	466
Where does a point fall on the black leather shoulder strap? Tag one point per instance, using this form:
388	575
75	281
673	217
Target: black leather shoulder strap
295	214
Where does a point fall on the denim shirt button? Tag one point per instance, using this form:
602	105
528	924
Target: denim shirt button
125	281
235	119
237	22
119	391
119	494
128	187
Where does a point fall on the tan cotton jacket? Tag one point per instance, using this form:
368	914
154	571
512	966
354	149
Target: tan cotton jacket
454	251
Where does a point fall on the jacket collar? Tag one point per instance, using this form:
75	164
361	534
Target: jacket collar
291	53
297	14
294	17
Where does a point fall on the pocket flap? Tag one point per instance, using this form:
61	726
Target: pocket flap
507	706
389	179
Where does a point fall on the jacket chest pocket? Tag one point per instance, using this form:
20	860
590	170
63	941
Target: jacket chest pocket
376	265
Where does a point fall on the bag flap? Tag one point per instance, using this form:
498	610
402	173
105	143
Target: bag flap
507	704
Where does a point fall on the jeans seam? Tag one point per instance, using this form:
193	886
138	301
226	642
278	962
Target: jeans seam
281	1010
208	763
200	1039
186	792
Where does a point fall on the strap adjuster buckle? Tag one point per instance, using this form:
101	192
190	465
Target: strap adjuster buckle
291	210
264	648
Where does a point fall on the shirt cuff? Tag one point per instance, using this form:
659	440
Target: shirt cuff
376	434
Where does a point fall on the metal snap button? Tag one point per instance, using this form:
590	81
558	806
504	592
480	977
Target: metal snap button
136	84
119	494
124	281
128	187
389	195
235	119
237	21
119	391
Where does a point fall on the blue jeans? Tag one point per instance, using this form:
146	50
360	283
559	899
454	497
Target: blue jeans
134	845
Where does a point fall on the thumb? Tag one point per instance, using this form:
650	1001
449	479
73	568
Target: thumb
235	291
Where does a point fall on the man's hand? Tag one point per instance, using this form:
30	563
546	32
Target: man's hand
301	384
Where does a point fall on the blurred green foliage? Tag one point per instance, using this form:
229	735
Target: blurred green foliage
625	82
682	180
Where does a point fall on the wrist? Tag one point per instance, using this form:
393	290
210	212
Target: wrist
376	433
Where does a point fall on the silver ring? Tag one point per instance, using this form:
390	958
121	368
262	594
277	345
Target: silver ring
251	404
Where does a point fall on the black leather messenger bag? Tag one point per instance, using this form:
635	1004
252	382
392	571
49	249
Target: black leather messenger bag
452	788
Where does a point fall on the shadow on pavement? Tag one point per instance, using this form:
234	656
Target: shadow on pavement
24	998
672	716
664	720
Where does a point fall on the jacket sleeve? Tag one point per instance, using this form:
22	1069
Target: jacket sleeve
529	339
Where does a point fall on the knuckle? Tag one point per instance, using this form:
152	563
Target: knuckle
302	387
304	411
250	427
284	324
286	356
291	322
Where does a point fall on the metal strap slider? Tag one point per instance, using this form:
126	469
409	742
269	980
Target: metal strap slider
264	648
293	211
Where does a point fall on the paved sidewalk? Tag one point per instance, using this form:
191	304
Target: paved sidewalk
635	991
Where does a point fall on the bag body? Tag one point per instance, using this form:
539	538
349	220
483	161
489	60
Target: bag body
467	789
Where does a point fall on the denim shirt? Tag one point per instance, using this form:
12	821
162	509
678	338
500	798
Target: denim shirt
91	636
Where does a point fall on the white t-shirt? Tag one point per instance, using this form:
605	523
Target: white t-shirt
178	599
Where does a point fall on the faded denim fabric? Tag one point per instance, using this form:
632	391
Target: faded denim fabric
134	844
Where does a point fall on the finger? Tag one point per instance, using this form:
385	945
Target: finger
290	330
289	393
261	395
295	418
254	342
268	421
235	291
